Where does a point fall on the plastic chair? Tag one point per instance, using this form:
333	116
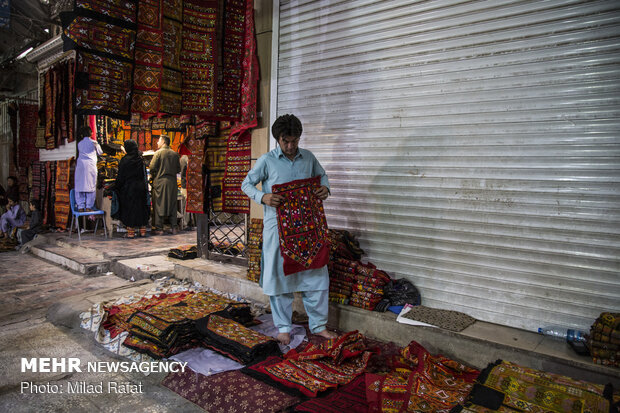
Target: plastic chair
75	216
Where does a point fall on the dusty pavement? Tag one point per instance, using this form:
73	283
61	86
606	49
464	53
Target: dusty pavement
28	286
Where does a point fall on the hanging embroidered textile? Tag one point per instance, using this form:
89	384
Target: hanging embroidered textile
420	382
50	189
57	96
255	247
104	34
62	202
198	56
238	154
222	333
149	57
319	367
209	89
38	183
229	392
216	163
302	226
172	77
28	119
194	178
249	83
230	78
507	387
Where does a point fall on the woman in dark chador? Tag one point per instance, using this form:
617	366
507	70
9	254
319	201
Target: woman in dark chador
132	191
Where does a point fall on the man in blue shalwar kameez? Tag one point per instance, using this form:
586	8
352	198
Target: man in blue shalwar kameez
286	163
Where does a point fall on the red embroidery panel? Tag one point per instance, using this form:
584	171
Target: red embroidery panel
302	226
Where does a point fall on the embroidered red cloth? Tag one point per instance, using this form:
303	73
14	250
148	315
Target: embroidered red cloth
319	367
62	204
420	382
239	143
195	193
149	57
28	118
302	226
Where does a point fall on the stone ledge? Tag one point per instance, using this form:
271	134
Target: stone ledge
84	264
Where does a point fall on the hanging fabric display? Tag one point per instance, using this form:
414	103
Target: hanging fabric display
302	226
198	56
212	89
28	118
239	151
216	162
195	193
172	78
62	202
104	34
149	54
238	154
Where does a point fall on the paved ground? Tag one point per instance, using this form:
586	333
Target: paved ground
28	286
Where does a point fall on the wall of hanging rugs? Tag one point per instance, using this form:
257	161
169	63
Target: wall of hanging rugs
143	68
159	57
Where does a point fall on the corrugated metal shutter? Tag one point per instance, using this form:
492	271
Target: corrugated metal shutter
472	145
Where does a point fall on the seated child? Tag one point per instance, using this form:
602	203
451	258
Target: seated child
36	221
12	218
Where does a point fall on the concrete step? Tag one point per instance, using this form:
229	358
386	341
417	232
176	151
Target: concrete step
72	258
149	267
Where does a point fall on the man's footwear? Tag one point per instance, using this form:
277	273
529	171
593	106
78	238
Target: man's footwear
173	231
157	232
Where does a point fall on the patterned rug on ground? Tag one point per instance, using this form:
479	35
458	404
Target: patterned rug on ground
420	382
446	319
318	368
507	387
230	392
302	226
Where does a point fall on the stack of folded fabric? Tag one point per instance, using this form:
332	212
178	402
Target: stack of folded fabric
343	249
368	290
168	327
355	283
351	281
184	252
255	246
227	333
604	339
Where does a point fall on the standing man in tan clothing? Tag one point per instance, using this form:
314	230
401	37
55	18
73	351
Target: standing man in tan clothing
164	169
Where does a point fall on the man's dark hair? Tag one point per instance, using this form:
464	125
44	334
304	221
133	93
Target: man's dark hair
13	178
36	204
166	139
286	125
84	132
13	198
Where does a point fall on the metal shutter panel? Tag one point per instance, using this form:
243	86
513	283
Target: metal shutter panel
472	145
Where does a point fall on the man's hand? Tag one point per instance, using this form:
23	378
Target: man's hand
273	200
322	193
